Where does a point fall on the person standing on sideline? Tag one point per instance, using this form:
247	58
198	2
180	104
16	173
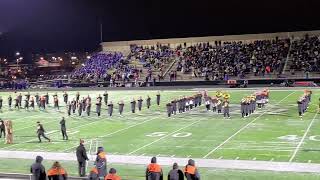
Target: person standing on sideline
101	163
1	101
63	129
154	170
37	169
9	132
175	173
82	157
2	129
41	131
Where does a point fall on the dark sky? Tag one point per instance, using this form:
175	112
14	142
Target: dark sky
59	25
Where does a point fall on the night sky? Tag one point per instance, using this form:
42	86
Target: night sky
31	26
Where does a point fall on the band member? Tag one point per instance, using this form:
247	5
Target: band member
158	98
226	109
32	103
69	108
20	100
187	104
37	100
110	108
219	106
98	105
133	105
63	129
207	102
41	131
26	104
169	109
16	105
242	107
105	95
9	101
148	102
74	106
47	98
174	107
300	108
65	97
56	102
121	106
140	100
1	101
80	108
77	96
88	106
28	96
191	103
43	102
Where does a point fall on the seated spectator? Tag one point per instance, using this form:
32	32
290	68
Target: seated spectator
93	175
112	175
175	173
154	170
191	171
38	170
57	172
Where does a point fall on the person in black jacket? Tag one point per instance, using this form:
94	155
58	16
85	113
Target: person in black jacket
82	158
2	129
38	170
41	131
63	129
175	173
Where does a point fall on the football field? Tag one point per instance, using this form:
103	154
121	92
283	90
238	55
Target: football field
274	133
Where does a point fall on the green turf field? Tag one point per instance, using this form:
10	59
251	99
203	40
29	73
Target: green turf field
274	133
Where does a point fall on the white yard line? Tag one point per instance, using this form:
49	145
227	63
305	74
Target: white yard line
115	132
163	137
303	138
244	127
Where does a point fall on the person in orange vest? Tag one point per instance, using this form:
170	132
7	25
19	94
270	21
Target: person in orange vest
57	172
101	162
190	171
93	175
112	175
154	170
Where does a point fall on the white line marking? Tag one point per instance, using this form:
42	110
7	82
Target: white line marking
254	159
220	157
271	159
158	155
142	154
244	127
173	156
309	161
89	154
237	158
303	138
188	156
163	137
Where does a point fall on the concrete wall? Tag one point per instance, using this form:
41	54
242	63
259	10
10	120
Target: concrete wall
123	46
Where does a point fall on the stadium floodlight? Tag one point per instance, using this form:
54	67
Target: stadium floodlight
41	58
5	60
88	57
82	65
17	53
20	58
73	57
73	63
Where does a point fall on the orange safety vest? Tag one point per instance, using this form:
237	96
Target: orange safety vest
102	155
154	167
94	170
56	171
112	177
190	169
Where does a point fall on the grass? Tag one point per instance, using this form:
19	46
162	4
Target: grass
196	134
